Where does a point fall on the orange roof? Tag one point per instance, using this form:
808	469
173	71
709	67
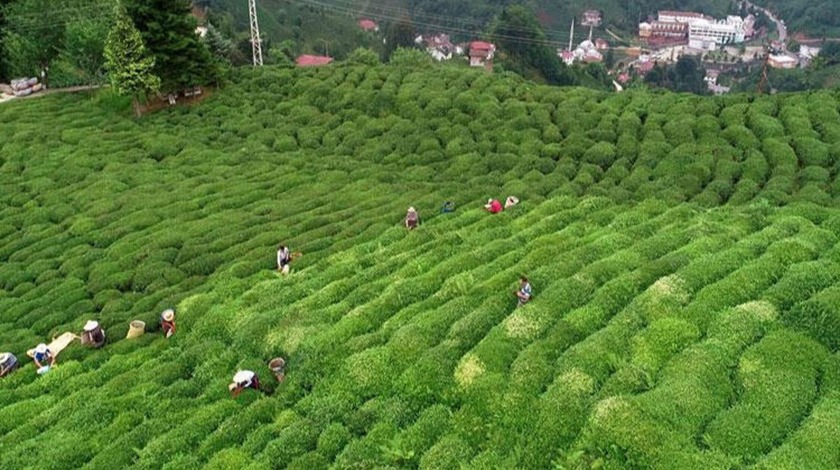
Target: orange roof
312	60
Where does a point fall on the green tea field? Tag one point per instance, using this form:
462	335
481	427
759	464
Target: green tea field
684	253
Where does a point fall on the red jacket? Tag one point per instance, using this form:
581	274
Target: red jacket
495	206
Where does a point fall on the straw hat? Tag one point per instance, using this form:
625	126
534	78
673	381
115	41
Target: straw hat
41	348
4	357
411	209
91	325
168	314
490	201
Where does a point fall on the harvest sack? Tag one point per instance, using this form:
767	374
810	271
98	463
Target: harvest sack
136	328
57	344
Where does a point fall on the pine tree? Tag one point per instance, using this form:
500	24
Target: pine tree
129	64
182	60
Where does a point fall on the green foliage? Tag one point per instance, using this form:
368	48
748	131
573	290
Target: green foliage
128	64
682	251
181	60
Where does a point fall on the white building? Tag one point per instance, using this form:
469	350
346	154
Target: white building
781	61
705	32
667	16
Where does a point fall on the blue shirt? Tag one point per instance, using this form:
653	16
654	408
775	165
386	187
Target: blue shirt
41	357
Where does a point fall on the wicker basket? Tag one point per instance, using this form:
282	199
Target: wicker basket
136	328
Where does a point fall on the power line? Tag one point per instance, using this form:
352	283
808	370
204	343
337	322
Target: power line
519	39
390	11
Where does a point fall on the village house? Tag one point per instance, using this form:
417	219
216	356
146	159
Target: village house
368	25
567	56
782	61
439	46
601	44
481	54
591	18
307	60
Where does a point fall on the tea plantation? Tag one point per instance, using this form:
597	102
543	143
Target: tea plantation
683	252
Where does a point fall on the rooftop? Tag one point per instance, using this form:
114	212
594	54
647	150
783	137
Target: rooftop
312	60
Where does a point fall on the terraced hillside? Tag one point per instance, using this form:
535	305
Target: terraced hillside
683	252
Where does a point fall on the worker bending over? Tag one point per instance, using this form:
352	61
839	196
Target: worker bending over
8	363
93	334
524	292
43	358
244	379
167	322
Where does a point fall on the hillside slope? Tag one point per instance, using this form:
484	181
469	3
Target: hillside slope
683	252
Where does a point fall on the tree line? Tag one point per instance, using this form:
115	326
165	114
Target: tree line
141	46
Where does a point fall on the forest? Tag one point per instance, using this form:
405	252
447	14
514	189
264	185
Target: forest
683	252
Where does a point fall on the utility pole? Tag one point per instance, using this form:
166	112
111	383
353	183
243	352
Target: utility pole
763	81
256	42
571	35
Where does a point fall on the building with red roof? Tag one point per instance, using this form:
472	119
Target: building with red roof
312	60
368	25
481	54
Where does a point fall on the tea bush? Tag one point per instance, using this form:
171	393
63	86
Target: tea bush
682	251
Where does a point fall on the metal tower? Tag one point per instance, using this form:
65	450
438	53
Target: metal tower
256	42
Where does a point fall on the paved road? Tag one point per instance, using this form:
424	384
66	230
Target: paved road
779	25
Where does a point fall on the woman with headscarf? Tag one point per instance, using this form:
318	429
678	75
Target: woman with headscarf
412	219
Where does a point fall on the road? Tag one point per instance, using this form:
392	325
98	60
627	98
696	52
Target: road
780	26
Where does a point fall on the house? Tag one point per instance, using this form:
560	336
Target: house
587	52
601	44
368	25
481	54
644	66
591	18
312	60
439	46
808	52
711	76
782	61
567	56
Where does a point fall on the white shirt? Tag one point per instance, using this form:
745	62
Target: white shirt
244	377
282	255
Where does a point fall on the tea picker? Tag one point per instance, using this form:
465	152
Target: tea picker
524	292
93	335
244	379
8	363
278	366
285	258
43	358
167	322
412	219
493	206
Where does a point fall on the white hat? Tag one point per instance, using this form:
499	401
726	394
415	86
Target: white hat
91	325
41	348
168	314
242	376
490	201
4	357
411	209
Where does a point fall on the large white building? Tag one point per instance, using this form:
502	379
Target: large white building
707	34
703	32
